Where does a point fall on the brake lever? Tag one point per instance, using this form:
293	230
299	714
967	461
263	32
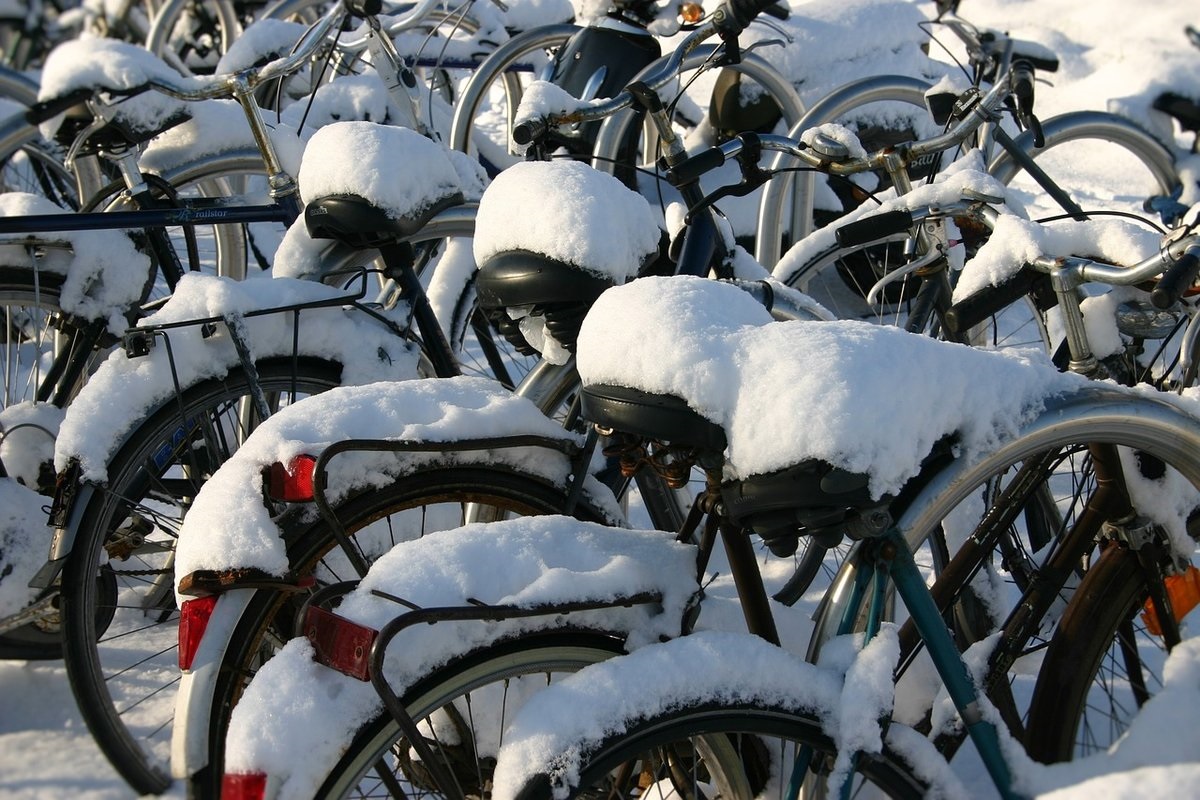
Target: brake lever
753	176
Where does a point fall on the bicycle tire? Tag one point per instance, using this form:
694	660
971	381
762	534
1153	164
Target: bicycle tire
720	743
1084	698
444	691
1122	145
112	661
266	622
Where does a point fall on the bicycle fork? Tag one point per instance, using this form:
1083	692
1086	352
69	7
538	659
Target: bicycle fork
888	557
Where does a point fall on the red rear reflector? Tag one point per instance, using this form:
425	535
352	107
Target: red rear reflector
193	619
292	482
339	643
252	786
1184	593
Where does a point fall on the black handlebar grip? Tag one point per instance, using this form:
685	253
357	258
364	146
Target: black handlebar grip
779	11
41	112
742	13
1177	277
695	166
966	314
363	8
1022	86
525	132
872	228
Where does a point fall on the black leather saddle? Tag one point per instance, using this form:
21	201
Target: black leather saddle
359	223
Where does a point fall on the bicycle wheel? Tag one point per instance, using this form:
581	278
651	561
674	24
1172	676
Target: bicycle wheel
1102	161
193	34
118	600
414	506
1103	664
466	706
36	167
719	749
31	335
1021	529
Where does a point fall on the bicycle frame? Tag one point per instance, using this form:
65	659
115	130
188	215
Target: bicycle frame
887	558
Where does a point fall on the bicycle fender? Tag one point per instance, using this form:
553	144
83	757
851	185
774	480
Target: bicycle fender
197	686
70	500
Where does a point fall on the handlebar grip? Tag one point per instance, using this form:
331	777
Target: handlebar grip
742	13
363	8
1176	278
695	166
966	314
1022	86
524	133
874	227
48	110
779	10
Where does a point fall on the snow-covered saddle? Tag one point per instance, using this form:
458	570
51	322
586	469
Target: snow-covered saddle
815	424
122	73
549	238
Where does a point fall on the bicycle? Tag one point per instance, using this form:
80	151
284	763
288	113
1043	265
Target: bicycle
1089	428
843	610
824	501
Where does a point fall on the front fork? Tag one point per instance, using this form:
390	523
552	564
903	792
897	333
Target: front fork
888	557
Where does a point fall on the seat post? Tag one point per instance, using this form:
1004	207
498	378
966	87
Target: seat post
743	565
398	258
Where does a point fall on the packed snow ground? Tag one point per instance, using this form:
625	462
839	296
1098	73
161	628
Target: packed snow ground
1111	58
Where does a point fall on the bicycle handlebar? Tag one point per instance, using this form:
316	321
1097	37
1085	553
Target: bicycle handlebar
729	20
224	85
1177	278
983	111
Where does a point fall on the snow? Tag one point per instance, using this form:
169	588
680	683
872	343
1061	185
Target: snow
413	172
235	530
619	235
1017	241
109	65
124	388
22	551
1111	59
727	367
546	559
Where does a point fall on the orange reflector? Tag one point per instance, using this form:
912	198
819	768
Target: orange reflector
193	620
691	12
292	482
251	786
1184	593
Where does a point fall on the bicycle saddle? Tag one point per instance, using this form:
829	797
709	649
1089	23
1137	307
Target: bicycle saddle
78	70
812	498
589	233
1183	109
554	290
369	185
661	417
360	223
